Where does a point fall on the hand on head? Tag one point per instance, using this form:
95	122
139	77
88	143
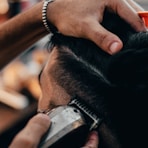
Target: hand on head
82	19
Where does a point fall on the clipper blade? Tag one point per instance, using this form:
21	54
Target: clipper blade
87	111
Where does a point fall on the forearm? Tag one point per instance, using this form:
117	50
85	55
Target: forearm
79	18
20	32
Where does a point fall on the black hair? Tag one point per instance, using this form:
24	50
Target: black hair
116	86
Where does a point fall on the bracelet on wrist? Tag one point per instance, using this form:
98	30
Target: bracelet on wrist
49	27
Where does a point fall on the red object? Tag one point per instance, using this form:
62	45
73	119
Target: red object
144	16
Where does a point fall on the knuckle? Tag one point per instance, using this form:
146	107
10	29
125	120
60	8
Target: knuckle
101	37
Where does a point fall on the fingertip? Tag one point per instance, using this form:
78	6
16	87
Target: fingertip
93	140
105	39
111	44
43	117
115	47
93	135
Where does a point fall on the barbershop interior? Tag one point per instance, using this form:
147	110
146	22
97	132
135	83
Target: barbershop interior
19	88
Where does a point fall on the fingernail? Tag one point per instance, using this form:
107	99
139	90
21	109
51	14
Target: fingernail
115	47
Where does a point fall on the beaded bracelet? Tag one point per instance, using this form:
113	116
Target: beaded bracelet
44	15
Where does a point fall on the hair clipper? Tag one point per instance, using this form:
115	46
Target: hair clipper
70	125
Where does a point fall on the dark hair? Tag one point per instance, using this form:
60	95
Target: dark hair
116	86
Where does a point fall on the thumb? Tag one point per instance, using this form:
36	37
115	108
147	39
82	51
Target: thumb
30	136
106	40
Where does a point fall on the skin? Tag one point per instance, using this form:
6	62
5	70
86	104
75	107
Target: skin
84	21
38	126
94	31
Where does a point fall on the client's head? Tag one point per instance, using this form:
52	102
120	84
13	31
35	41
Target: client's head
115	86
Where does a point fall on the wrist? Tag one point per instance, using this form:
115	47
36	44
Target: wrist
45	19
35	18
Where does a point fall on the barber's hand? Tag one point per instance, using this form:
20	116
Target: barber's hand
31	135
82	18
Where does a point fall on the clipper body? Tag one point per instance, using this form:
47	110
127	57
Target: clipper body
70	126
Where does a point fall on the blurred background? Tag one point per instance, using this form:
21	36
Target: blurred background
143	3
19	89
